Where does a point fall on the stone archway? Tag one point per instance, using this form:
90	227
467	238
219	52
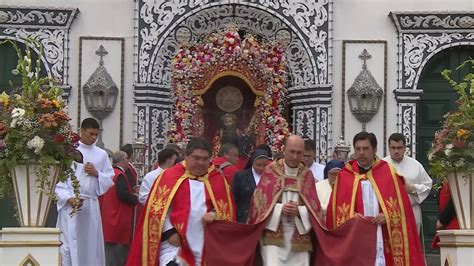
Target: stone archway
307	27
421	35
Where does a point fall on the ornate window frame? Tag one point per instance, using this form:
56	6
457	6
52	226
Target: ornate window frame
50	26
421	35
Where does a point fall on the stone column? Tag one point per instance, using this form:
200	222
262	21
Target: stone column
32	246
457	247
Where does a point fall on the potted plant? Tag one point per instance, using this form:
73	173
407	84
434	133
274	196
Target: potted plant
452	153
37	144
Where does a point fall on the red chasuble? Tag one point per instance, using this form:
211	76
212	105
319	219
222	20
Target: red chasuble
173	183
116	215
401	243
234	244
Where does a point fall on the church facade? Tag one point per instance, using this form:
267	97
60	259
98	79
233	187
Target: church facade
350	65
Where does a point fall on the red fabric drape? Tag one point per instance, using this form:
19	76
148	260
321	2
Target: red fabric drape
234	244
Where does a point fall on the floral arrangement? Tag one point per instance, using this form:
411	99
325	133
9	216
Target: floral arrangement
34	125
453	145
196	66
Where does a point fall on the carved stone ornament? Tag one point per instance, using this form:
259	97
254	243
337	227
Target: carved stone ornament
49	26
365	95
421	35
302	25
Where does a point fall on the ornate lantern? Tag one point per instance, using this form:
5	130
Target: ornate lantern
139	149
365	95
341	150
100	92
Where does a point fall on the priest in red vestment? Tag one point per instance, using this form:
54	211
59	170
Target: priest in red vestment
183	198
370	187
285	223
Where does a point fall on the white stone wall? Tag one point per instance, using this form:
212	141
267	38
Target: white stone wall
353	20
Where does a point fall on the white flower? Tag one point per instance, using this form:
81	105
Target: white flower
460	163
430	157
448	149
36	143
31	74
14	121
18	112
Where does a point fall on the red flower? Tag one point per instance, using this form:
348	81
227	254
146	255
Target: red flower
459	143
60	115
75	137
59	138
3	129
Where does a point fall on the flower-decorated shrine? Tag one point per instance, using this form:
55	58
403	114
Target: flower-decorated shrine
226	75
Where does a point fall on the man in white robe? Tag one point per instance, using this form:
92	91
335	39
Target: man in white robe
166	159
309	159
81	233
418	182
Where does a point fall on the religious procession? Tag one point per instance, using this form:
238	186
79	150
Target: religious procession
236	133
231	208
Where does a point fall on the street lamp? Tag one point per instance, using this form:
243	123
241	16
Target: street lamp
100	93
365	95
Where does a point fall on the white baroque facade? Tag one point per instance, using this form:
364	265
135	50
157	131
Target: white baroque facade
325	38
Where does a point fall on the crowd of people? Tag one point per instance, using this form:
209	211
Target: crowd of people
295	211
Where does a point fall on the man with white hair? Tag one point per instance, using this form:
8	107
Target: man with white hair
117	209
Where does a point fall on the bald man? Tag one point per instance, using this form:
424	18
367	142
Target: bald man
285	199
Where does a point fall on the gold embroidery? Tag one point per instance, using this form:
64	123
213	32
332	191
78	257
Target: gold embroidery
343	214
259	203
153	242
223	210
159	203
264	181
271	238
396	236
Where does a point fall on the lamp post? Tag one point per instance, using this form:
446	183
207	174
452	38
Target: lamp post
342	149
100	93
365	95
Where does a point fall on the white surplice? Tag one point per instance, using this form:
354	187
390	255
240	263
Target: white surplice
371	208
195	229
324	190
414	173
318	171
147	184
279	256
81	234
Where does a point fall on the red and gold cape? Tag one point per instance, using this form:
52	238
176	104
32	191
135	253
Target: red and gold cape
233	244
272	184
169	185
401	242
